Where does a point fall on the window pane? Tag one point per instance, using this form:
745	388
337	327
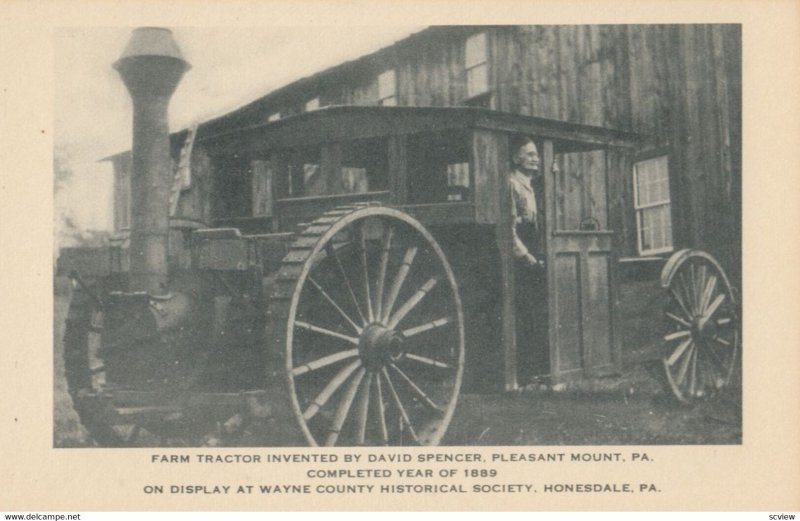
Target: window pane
655	228
652	181
313	180
354	180
458	174
475	50
477	80
458	181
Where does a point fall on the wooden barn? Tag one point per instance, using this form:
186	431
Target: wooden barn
677	85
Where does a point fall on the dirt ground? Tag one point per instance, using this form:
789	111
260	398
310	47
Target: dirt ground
633	409
630	410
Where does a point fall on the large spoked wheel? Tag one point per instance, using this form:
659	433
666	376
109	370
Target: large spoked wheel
373	336
702	343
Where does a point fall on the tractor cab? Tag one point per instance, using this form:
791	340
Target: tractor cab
448	168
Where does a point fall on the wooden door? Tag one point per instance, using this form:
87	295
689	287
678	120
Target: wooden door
580	280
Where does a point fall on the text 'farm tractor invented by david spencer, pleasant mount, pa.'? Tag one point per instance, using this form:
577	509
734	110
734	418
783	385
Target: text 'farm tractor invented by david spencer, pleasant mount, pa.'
357	259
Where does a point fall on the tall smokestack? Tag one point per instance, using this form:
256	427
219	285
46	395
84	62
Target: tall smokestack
151	67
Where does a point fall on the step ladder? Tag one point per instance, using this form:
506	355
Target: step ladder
183	173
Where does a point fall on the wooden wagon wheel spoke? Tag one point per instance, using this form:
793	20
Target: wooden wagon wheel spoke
712	308
676	335
687	360
708	291
678	319
325	361
362	411
679	351
681	293
349	396
703	323
680	301
381	412
336	306
427	361
429	326
693	373
344	408
386	246
331	251
711	352
406	421
323	397
326	332
394	290
716	362
721	341
701	285
416	389
362	246
715	379
411	303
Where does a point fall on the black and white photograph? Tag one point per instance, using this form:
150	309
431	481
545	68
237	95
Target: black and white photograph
456	235
265	257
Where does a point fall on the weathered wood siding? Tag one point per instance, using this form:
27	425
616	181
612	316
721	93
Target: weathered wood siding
679	84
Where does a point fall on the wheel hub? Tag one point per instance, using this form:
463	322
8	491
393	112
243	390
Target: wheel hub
379	345
703	328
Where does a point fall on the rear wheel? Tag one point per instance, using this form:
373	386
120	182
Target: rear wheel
702	340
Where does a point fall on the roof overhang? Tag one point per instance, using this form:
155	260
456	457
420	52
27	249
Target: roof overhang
347	123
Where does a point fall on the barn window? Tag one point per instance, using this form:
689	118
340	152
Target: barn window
387	88
477	65
653	205
312	104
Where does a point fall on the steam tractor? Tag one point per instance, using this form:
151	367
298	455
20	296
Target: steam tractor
358	267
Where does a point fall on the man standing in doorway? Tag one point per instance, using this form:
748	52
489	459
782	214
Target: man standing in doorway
527	209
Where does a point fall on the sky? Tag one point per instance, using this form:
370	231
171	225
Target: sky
93	111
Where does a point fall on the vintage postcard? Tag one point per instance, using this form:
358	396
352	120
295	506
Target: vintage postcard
530	257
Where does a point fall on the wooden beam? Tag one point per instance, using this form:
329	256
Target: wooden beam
505	240
398	169
550	187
